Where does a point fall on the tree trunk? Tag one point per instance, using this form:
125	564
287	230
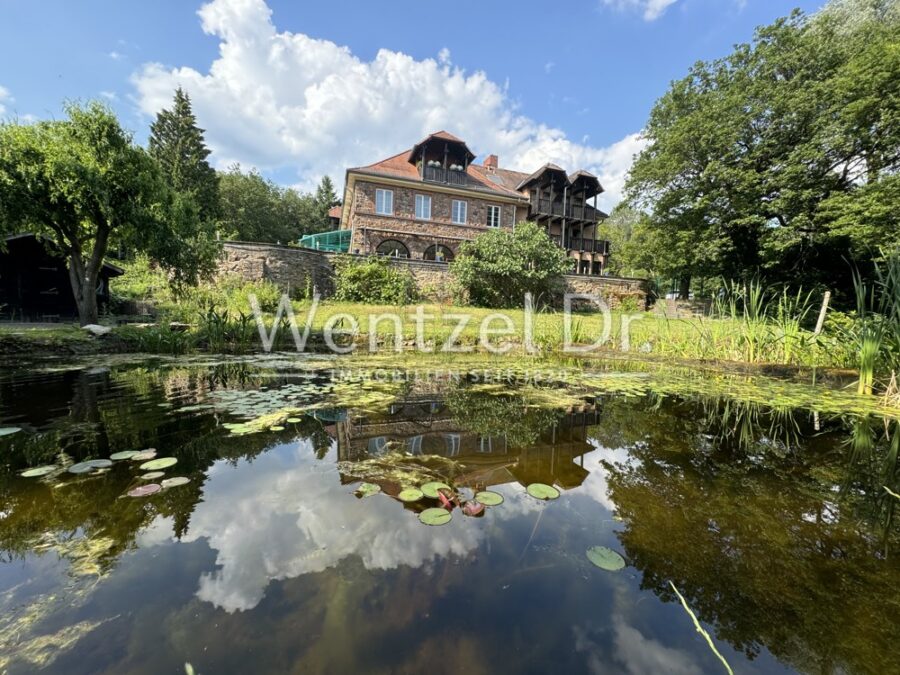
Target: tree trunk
684	287
84	288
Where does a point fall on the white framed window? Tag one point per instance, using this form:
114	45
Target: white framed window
423	207
384	202
493	216
458	211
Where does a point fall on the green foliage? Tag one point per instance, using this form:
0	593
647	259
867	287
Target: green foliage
372	280
176	143
83	183
500	266
256	209
782	156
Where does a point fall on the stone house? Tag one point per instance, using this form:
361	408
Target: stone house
422	203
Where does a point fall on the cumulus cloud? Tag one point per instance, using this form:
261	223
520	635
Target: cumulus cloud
286	514
650	9
4	98
276	99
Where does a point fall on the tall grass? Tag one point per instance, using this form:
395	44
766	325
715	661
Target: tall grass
876	331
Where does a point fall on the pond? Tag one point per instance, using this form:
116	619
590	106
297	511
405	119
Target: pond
289	547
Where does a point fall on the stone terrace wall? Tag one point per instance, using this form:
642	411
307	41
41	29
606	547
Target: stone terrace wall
292	269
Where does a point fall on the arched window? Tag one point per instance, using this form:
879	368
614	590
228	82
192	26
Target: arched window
393	248
439	253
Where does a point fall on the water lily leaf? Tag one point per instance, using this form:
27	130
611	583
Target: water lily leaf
157	464
144	490
542	491
125	454
436	516
293	420
430	490
90	465
143	455
39	471
605	558
489	498
153	475
7	431
368	489
410	495
276	428
174	482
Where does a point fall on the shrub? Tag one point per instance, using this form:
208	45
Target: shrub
372	280
500	266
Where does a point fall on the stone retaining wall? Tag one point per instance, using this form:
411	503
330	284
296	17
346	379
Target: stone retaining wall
296	269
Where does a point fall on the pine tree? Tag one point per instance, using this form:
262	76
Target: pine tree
176	142
324	199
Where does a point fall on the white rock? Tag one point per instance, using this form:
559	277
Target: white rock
96	329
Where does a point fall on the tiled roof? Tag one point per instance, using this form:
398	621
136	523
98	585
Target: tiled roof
335	211
399	166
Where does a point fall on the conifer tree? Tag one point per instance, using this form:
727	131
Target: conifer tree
177	143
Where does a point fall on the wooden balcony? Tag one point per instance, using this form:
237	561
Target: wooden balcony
544	207
438	174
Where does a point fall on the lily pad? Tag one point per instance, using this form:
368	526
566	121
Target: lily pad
153	475
368	489
605	558
157	464
293	420
489	498
276	428
430	490
436	516
90	465
125	454
542	491
8	431
143	455
174	482
410	495
144	490
39	471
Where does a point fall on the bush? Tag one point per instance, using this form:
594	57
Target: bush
499	267
372	280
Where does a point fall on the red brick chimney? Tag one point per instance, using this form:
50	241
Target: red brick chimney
491	161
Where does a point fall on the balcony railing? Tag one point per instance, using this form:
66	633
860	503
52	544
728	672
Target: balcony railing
545	207
578	245
438	174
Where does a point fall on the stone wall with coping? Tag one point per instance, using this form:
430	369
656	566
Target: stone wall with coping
295	269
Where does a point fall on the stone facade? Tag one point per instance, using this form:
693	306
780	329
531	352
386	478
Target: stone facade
295	270
370	228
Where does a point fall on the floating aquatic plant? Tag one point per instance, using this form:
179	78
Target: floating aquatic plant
9	431
143	455
174	482
605	558
542	491
157	464
39	471
144	490
153	475
489	498
90	465
125	454
473	509
368	489
430	490
410	495
436	516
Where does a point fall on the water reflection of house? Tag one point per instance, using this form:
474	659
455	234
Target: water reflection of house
424	426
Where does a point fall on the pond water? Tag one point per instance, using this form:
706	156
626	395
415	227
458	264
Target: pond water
773	524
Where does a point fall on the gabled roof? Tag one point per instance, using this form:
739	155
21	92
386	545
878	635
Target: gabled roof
548	167
335	211
589	179
440	136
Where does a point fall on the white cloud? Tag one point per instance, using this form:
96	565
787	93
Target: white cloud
548	67
286	514
116	56
651	9
278	99
4	98
109	95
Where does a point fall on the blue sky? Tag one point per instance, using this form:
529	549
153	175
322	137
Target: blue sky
303	88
